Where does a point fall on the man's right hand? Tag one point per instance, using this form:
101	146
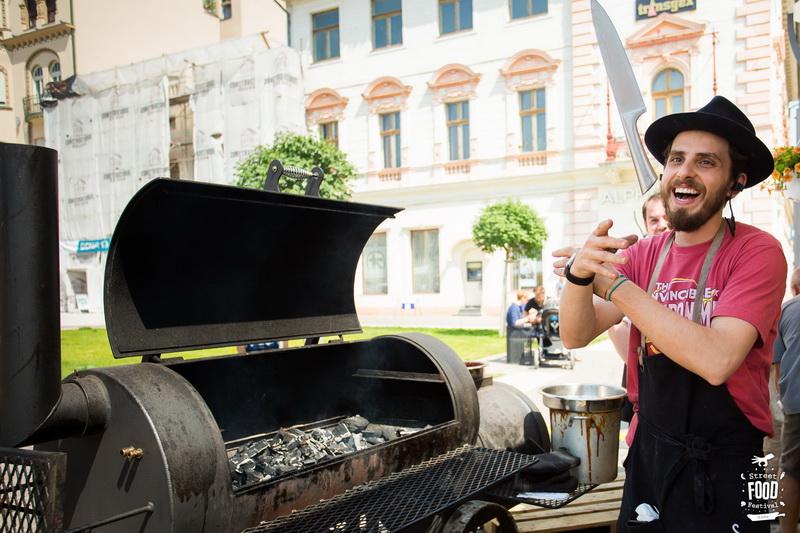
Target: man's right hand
598	254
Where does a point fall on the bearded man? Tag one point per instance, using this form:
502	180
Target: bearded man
704	300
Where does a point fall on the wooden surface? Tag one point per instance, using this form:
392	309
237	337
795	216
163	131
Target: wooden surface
599	507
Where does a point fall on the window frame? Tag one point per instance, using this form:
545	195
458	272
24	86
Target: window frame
328	42
457	8
4	99
538	144
50	70
459	126
223	13
38	88
668	93
385	288
436	284
389	16
392	136
529	10
327	127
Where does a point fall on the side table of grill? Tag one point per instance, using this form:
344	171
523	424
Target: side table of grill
401	501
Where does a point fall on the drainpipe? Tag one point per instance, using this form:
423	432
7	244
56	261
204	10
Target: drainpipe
74	29
288	23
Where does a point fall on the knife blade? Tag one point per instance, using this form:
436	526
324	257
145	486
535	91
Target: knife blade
626	92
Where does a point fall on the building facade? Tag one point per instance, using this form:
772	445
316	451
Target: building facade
110	44
447	106
44	41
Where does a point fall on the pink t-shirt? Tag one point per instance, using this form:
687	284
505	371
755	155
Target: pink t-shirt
747	281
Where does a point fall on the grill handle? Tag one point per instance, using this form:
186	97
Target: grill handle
313	177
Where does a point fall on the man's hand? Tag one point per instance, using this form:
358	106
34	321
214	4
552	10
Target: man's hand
598	254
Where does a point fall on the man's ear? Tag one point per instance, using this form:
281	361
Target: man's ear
738	185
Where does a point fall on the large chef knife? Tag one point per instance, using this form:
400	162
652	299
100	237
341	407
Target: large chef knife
626	92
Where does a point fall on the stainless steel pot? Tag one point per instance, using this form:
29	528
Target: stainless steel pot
584	421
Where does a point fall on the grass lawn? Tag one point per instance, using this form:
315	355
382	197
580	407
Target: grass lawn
88	347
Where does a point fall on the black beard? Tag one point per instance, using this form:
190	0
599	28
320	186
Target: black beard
681	220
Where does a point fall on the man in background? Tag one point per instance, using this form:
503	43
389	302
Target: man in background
786	361
655	222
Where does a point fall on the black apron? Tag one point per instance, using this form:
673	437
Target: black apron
692	444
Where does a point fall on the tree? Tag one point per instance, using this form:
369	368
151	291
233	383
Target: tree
513	227
304	151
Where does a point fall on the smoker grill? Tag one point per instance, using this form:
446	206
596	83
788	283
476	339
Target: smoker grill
230	442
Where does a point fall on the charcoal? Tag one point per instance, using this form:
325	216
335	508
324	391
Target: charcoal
256	448
340	432
290	450
355	423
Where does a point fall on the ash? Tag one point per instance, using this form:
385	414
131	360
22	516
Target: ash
291	450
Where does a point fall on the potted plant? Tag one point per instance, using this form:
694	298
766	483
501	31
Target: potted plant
784	177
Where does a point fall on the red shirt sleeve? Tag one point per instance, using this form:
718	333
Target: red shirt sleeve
756	282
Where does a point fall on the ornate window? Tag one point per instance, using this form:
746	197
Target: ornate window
3	88
386	94
55	71
454	16
667	92
387	23
325	108
325	28
529	69
458	129
526	8
390	139
453	82
37	77
532	112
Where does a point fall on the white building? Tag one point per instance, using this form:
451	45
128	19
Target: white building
446	106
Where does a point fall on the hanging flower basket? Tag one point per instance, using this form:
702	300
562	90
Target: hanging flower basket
784	178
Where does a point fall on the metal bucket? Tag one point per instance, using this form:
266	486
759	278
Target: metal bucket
584	421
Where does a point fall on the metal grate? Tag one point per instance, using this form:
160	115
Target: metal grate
30	485
401	500
507	493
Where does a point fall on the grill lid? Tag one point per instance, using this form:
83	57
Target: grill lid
194	265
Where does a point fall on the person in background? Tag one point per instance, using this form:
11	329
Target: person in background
655	222
515	315
786	361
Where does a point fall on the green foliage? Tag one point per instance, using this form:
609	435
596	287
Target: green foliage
302	151
511	226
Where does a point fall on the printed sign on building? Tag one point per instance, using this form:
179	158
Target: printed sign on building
646	9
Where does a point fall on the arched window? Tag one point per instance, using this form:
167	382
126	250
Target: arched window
55	71
37	75
668	92
3	93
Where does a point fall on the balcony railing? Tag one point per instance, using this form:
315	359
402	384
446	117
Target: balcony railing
32	106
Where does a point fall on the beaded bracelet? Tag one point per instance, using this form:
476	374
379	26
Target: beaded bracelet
620	280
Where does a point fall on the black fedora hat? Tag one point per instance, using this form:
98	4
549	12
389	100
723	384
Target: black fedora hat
721	117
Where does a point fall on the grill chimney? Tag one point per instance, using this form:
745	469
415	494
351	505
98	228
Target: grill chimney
30	350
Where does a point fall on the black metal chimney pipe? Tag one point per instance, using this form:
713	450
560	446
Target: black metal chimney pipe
30	345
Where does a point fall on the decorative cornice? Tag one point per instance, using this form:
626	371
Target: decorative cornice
666	28
529	68
386	93
324	105
454	82
38	35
